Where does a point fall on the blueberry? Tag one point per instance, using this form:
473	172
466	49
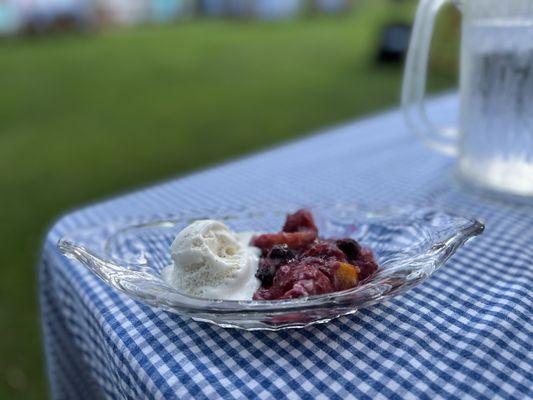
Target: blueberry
349	247
280	254
268	265
265	272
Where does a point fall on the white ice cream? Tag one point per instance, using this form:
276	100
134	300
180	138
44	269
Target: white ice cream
213	262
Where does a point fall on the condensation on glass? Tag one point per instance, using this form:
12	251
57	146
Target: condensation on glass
494	141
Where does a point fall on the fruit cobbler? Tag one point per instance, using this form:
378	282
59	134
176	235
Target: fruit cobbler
296	262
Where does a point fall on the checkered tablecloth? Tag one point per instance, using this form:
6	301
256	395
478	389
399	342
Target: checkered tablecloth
465	333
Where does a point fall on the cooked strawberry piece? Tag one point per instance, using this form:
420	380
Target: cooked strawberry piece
301	220
298	232
325	249
296	280
294	240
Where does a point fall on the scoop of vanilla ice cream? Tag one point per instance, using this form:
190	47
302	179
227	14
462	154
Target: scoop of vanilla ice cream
213	262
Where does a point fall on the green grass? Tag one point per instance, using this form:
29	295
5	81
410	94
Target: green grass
82	118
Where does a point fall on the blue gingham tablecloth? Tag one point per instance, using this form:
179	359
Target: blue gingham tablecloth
465	333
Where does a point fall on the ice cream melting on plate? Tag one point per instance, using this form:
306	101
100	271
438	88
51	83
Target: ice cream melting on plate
211	261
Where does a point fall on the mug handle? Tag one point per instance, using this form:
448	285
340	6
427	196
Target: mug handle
414	82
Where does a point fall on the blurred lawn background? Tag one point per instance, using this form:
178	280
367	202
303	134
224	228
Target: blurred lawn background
86	117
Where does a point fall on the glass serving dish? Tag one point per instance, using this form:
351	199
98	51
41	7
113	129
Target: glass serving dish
410	244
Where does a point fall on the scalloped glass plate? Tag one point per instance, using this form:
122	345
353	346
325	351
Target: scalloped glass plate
410	244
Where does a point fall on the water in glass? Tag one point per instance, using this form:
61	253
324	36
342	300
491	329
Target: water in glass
496	148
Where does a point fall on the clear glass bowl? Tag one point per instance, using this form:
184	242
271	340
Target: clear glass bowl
410	244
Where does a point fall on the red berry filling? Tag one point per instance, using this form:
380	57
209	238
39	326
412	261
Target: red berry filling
297	263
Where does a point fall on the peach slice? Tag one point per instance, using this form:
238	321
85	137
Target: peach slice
347	275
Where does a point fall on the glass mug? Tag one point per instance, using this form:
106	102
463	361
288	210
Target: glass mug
494	142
